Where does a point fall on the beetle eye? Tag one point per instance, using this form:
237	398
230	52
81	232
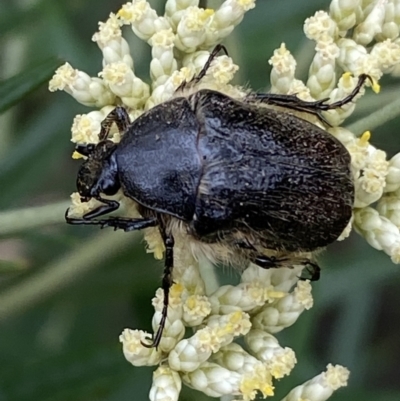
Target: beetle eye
110	187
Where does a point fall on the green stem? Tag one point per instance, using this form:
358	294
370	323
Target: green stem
13	221
60	274
203	4
209	276
377	118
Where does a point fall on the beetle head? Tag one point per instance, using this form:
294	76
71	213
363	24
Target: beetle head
98	173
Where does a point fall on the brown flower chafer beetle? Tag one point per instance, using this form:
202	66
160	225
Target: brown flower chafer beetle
232	174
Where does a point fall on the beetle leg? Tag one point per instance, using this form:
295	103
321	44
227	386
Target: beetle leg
271	262
263	261
268	262
108	207
116	222
244	244
166	284
287	101
315	108
207	65
361	80
128	224
120	117
313	269
197	78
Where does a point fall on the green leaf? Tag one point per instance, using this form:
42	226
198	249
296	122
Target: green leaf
12	266
13	89
81	373
14	16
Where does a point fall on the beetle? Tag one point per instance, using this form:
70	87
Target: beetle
233	175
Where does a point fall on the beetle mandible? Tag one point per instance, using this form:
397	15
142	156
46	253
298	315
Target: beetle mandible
232	174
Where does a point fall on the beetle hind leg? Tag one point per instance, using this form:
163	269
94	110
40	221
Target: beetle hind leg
118	223
315	107
272	262
125	224
313	270
269	262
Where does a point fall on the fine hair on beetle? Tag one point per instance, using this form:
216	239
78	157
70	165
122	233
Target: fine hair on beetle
239	181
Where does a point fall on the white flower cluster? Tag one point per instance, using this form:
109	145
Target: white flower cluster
355	37
264	303
198	346
180	42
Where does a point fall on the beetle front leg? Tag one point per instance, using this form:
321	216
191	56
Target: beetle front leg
108	207
128	224
120	117
116	222
166	285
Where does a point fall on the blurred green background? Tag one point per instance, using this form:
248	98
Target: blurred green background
66	293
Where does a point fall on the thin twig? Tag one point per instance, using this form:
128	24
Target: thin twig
17	220
60	274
